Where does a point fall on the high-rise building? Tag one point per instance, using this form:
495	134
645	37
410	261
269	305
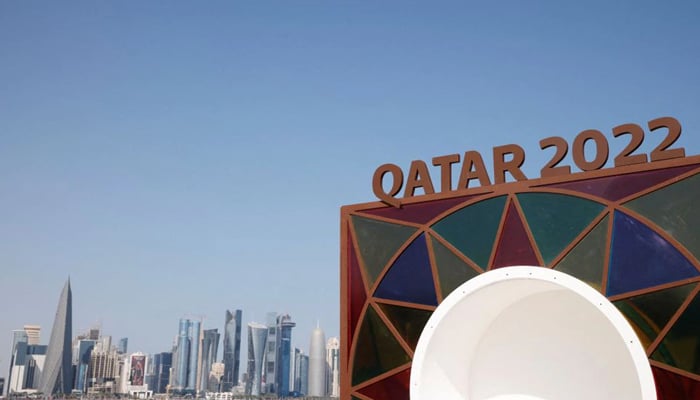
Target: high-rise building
123	345
85	348
317	364
57	376
210	348
26	368
232	350
33	334
284	383
104	368
301	373
333	367
181	357
195	345
18	336
217	372
162	363
257	339
270	361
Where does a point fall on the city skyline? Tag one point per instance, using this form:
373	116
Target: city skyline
181	159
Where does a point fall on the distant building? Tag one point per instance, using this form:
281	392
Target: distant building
257	339
162	362
18	336
301	373
186	358
232	350
270	361
210	348
2	386
317	364
333	367
57	377
123	345
104	369
33	334
85	348
284	382
26	368
217	372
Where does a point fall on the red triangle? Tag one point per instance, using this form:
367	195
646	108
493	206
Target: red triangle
614	188
356	290
393	387
670	386
420	213
514	247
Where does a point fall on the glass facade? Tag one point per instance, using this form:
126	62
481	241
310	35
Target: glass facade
284	355
57	375
210	348
257	341
630	236
232	349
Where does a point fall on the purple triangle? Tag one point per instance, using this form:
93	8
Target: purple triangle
420	213
410	278
640	258
614	188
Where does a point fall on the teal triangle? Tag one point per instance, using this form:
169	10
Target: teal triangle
378	241
556	219
472	229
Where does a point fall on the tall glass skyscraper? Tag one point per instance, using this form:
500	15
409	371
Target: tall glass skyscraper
270	360
122	346
284	355
210	348
257	339
85	348
232	349
57	376
182	356
161	371
195	337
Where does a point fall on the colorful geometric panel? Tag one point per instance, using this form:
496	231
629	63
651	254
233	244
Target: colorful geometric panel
640	258
680	347
376	351
675	209
556	219
410	278
614	188
451	270
418	213
395	386
472	230
356	290
514	247
649	313
378	242
670	386
409	322
586	261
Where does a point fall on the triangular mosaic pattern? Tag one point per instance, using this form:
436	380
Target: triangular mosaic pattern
640	258
675	209
514	247
376	351
614	188
409	322
556	219
418	213
472	229
586	261
410	278
680	347
357	293
378	242
649	313
452	271
393	387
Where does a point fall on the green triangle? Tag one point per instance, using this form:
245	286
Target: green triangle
679	348
675	209
378	242
452	271
472	230
587	260
377	350
408	321
556	219
649	313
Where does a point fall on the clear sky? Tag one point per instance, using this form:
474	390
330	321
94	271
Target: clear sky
180	158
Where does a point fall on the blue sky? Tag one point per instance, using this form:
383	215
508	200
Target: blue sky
180	158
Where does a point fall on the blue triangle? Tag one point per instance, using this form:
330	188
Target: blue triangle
640	258
410	278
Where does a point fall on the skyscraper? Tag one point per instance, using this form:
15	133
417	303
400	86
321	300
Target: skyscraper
270	360
210	348
333	367
232	350
181	357
195	342
123	345
161	370
301	373
18	336
317	364
57	376
33	334
85	348
257	339
284	382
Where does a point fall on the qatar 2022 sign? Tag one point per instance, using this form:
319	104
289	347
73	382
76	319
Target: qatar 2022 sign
629	231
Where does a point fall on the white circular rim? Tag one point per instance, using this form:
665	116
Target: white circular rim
634	346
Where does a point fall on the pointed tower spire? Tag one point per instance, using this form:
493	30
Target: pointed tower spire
57	376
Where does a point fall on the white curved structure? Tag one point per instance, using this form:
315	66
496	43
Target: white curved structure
529	333
317	364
